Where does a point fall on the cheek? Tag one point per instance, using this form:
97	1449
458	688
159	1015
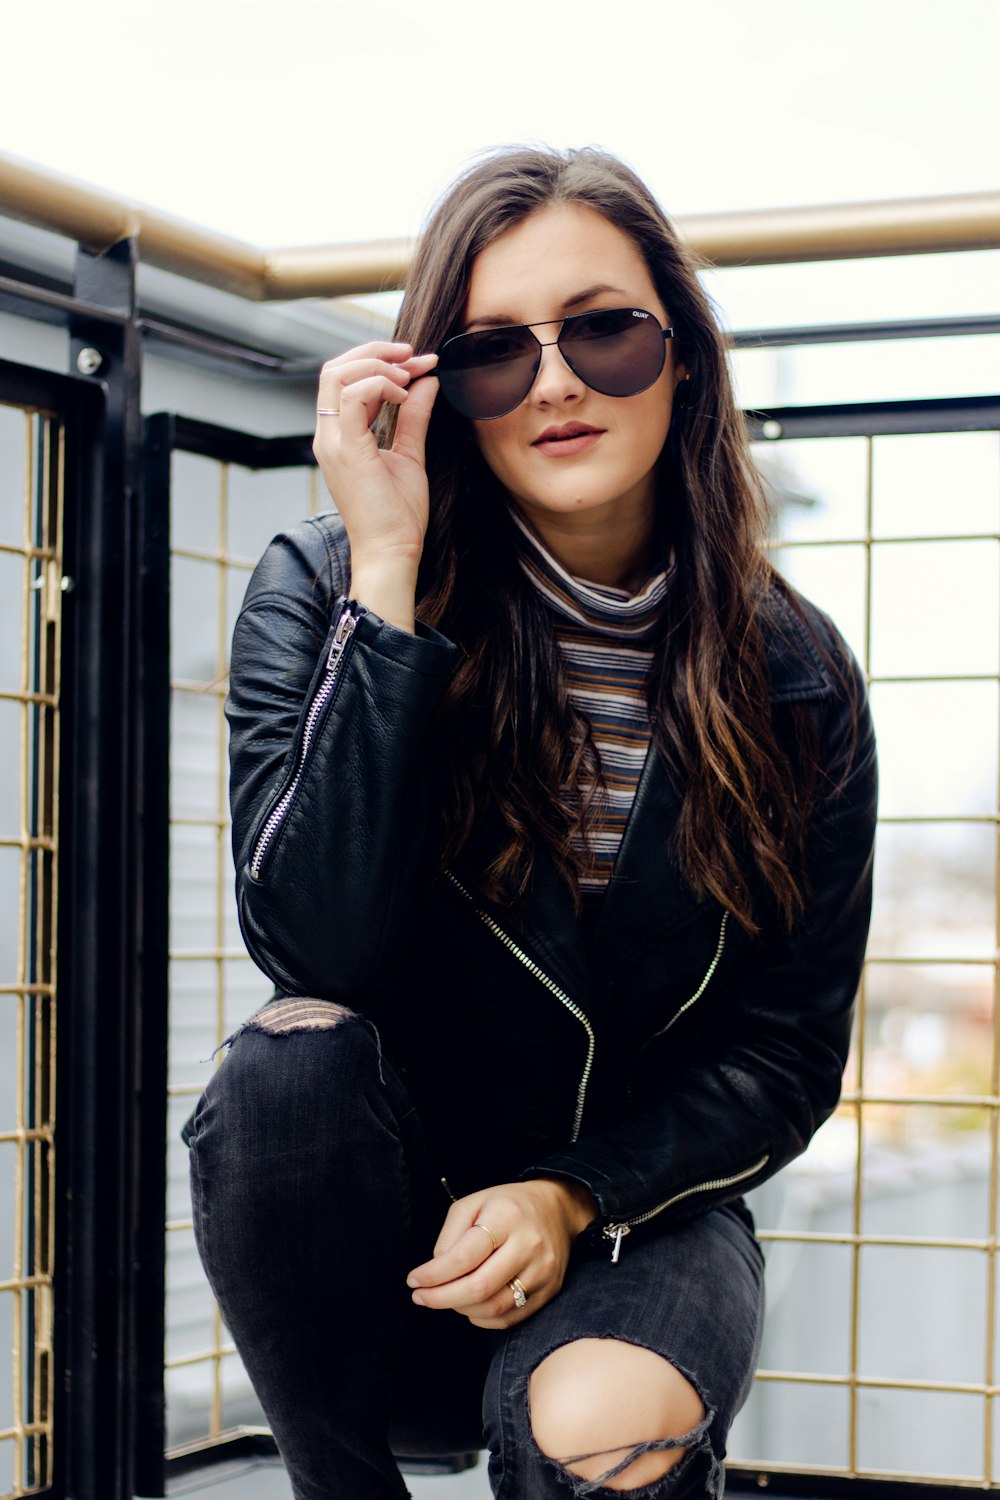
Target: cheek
495	443
652	420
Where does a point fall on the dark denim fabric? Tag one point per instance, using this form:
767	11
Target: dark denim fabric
313	1197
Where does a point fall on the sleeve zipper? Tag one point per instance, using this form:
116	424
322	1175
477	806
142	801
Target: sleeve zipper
621	1227
346	626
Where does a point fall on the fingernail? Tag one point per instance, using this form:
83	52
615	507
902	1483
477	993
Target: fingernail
419	1300
412	1281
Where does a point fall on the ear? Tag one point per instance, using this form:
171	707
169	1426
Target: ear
683	389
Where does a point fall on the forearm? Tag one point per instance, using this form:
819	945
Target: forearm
675	1159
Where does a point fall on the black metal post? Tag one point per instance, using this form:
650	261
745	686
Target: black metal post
153	751
100	905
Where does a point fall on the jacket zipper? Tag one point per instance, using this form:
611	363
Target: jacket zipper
552	987
625	1226
709	976
346	626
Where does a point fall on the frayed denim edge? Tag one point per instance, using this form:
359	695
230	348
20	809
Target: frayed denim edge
697	1441
254	1024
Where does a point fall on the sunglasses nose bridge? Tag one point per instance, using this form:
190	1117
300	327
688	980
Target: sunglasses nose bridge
555	365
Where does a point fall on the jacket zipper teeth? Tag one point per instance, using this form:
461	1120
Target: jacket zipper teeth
710	975
346	626
550	985
624	1226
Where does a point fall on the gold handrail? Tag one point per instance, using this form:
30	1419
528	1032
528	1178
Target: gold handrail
847	231
835	231
39	196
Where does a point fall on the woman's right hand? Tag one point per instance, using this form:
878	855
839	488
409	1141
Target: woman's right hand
381	493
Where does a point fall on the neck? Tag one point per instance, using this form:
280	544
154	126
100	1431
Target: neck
616	551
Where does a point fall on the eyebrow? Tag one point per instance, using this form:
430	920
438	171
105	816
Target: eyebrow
500	320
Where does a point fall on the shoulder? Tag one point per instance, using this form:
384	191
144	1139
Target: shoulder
808	659
810	663
308	564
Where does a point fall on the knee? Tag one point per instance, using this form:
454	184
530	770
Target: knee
601	1405
293	1056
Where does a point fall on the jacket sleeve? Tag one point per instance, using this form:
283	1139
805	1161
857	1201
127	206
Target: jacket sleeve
729	1121
326	736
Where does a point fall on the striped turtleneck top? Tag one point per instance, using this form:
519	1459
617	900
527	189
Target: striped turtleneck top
605	637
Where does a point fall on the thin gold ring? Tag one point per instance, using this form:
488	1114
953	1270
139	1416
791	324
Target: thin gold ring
477	1225
520	1295
326	411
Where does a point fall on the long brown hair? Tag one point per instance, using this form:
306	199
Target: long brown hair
511	745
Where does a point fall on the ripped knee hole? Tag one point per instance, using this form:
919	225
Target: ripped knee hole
607	1389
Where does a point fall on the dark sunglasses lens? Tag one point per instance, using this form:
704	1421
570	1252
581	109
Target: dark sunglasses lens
619	352
487	374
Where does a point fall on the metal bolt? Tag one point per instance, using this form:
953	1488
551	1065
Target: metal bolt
89	361
762	1480
771	430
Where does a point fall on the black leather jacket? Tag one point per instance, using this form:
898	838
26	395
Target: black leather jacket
677	1064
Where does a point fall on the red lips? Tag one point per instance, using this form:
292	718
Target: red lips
567	441
566	431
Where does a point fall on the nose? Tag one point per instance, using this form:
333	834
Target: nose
555	382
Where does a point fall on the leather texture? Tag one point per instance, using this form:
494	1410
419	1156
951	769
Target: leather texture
703	1060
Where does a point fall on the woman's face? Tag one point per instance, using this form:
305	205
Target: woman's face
569	259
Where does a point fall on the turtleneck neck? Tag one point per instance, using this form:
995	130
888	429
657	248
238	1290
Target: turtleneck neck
610	612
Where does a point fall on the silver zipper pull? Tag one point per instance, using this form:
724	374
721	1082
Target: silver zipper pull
615	1232
346	626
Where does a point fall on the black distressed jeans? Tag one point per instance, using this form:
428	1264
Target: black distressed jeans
313	1198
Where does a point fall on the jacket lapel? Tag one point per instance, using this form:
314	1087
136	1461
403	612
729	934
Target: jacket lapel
646	895
545	925
554	931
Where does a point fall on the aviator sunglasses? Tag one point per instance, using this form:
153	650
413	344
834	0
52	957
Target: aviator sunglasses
617	351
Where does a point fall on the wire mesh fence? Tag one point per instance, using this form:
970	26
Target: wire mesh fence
31	592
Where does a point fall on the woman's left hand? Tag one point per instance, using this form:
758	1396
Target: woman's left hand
533	1224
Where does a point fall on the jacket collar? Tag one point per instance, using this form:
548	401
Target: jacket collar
797	671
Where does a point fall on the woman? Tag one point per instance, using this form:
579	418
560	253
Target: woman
553	811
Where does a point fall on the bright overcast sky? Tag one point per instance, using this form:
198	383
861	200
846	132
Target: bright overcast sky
304	121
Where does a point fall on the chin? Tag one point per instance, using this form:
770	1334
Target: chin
568	499
561	505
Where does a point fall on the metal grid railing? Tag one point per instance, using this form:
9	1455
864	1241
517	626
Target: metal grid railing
213	983
949	1096
31	514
